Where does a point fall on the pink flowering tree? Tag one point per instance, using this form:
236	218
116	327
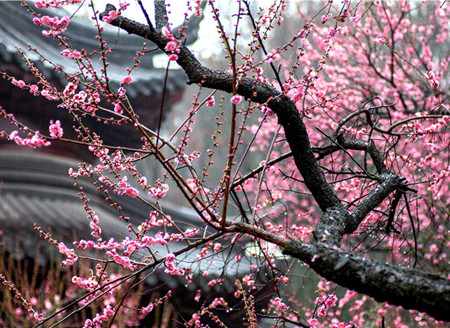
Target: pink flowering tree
350	115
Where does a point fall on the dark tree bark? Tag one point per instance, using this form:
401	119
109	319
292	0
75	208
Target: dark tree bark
408	288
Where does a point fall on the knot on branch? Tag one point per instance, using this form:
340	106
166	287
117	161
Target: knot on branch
332	225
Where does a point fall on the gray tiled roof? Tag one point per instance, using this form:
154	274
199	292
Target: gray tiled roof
35	188
17	29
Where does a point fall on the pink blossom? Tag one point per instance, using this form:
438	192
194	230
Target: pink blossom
305	43
198	8
70	89
54	3
147	309
171	46
166	32
325	18
118	108
124	5
159	191
80	96
218	301
173	57
279	304
21	84
36	141
249	280
71	256
198	295
211	101
236	99
112	15
74	54
56	131
15	136
132	192
56	25
34	89
127	79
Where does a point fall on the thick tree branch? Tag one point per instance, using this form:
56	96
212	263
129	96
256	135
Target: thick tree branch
388	184
335	222
385	283
287	113
320	151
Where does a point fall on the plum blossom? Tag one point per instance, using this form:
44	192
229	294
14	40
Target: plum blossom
306	43
127	79
273	56
55	129
54	3
173	57
324	303
70	253
70	89
171	46
132	192
147	309
278	304
74	54
170	266
21	84
166	32
211	101
159	191
218	301
56	25
236	99
36	141
34	89
118	108
112	15
198	8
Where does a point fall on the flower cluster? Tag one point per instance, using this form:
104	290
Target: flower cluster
69	252
324	302
55	129
99	319
56	24
171	268
55	3
112	15
35	141
172	47
70	53
159	190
